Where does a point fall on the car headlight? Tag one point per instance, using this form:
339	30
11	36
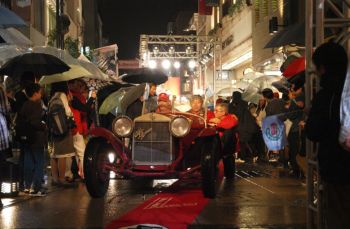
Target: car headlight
122	126
180	126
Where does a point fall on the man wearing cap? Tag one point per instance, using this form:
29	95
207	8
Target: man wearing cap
164	104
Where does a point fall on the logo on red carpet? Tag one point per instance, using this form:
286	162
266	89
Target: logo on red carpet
166	202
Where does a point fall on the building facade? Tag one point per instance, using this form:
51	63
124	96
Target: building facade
41	19
92	26
288	13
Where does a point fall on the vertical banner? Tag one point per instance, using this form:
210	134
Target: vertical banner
106	59
203	9
273	131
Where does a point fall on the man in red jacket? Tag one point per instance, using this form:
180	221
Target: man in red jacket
222	119
226	123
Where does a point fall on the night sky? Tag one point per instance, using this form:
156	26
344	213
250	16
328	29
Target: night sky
124	20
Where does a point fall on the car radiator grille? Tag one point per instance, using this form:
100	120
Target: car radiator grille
152	143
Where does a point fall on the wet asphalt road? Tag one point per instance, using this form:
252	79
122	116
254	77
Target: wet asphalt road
259	197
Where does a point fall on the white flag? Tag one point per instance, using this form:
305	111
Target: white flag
273	131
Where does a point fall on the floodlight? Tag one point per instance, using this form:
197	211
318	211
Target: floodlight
152	64
166	64
171	50
155	50
177	65
191	64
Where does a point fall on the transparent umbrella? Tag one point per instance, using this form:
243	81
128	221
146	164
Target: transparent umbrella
238	86
14	37
9	51
253	91
250	76
94	70
118	101
75	71
61	54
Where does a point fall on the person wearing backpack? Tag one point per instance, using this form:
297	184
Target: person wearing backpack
60	120
33	145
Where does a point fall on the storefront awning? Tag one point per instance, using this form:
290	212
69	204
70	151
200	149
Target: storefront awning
294	34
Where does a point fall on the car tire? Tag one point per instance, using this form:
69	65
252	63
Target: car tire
210	151
229	166
96	176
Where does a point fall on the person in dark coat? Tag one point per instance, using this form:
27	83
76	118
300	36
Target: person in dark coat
323	126
32	113
274	106
247	126
295	114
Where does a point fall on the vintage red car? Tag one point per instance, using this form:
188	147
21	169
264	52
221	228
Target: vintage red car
155	145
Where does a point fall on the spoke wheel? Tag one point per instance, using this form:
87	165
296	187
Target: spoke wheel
96	174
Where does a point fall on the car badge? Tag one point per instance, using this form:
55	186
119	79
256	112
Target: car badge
141	133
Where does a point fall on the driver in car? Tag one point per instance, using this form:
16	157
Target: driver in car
197	109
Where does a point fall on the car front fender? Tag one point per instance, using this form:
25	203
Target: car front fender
116	143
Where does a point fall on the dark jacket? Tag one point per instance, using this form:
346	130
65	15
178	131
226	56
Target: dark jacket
32	113
276	107
323	126
21	98
247	125
295	113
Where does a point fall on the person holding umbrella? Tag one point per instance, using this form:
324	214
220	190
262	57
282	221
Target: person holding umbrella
32	114
151	102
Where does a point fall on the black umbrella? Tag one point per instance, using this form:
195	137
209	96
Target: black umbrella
10	19
38	63
146	75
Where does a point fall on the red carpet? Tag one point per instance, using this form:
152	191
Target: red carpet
173	210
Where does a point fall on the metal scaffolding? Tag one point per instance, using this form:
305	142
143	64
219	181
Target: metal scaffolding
315	9
202	48
180	42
